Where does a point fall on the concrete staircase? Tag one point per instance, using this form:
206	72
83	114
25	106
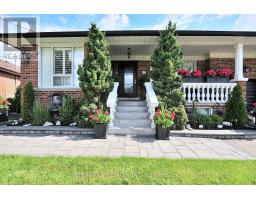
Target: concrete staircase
131	118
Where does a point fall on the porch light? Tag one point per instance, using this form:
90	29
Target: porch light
129	53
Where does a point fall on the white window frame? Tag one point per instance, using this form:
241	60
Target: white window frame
63	72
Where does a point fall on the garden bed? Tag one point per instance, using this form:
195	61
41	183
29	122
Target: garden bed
46	130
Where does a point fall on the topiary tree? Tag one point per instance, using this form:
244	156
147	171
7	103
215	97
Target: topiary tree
28	102
165	63
95	75
236	108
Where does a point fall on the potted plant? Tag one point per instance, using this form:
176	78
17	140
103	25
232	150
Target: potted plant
4	106
225	74
196	76
211	76
100	120
185	75
164	120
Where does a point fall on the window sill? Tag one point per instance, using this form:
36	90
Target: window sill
58	89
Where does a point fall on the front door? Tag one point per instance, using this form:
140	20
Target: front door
127	72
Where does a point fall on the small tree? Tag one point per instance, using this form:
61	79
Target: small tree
95	75
28	101
68	111
236	108
165	63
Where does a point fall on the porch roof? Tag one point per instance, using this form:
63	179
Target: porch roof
143	42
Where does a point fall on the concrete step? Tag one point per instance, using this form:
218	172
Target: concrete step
131	131
131	103
131	116
128	98
131	109
139	123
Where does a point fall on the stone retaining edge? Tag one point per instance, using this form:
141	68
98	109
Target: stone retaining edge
215	136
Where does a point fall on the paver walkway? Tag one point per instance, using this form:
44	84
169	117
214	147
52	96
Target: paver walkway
86	145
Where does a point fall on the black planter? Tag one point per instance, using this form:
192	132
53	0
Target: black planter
217	79
162	133
3	116
100	130
191	79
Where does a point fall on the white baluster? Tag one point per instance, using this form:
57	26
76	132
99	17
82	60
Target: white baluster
189	94
203	94
217	94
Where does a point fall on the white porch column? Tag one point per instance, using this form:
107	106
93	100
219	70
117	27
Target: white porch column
239	76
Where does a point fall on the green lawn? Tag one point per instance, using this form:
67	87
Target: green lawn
91	170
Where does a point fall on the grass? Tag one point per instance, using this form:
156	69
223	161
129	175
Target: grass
96	170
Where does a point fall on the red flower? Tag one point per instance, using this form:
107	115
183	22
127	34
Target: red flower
226	72
98	111
211	72
172	116
196	73
91	116
183	72
106	113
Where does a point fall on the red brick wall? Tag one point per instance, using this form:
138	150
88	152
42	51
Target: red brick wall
143	66
29	69
43	96
250	68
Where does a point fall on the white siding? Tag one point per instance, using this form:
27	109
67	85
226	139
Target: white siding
46	68
78	60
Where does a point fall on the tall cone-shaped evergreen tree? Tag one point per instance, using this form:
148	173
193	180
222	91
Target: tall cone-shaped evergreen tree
165	63
236	108
95	75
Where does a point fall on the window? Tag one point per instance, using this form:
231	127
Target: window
62	70
189	65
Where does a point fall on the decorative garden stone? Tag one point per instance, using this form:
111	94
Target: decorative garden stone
48	124
220	126
58	123
229	124
201	126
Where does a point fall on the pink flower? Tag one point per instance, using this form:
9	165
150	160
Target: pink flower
196	73
183	72
211	72
226	72
172	116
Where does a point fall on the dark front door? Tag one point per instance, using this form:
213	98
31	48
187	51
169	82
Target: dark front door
127	72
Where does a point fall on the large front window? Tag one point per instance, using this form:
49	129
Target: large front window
62	70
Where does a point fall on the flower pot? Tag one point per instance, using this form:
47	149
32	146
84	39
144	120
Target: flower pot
217	79
191	79
162	133
100	130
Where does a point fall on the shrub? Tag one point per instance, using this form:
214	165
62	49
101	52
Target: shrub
28	102
236	109
86	110
181	118
68	111
40	114
208	121
15	101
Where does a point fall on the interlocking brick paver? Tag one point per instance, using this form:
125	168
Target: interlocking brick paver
80	145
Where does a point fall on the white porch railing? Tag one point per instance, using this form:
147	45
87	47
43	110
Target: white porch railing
152	101
207	92
112	103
